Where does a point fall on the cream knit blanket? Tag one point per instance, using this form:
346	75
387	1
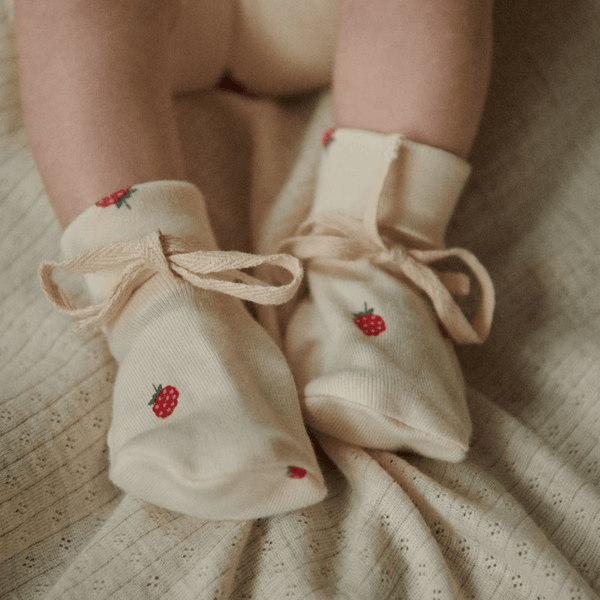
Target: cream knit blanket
519	519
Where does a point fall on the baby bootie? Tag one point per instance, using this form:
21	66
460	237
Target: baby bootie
206	419
371	344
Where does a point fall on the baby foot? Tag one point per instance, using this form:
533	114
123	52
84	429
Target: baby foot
370	345
206	419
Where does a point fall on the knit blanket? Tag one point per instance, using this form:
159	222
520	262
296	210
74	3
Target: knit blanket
520	518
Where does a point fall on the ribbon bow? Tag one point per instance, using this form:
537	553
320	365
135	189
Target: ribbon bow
173	256
337	236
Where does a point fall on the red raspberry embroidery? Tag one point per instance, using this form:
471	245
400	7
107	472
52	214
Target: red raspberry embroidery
327	137
296	473
369	323
164	401
119	198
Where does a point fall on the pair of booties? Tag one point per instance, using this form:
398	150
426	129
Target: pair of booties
208	411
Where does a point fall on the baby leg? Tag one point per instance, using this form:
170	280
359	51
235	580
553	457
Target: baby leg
375	367
205	413
97	80
416	67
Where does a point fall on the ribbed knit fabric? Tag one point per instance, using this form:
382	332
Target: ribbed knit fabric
423	183
375	367
206	418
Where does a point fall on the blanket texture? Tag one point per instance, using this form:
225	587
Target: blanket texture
520	518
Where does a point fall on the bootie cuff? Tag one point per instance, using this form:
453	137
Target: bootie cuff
420	185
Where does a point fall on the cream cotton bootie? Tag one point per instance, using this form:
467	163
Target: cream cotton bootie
206	418
369	345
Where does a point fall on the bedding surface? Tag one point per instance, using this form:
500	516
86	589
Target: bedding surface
520	518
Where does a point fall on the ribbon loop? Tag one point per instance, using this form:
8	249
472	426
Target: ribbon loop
153	254
341	237
172	256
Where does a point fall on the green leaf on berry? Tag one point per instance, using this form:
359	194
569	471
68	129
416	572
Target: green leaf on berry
156	395
123	199
367	311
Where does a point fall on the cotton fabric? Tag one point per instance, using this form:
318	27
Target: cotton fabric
205	417
384	377
518	519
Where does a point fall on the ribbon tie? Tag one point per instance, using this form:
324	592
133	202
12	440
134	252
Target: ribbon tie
337	236
171	256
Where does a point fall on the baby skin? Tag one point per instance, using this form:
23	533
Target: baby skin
210	422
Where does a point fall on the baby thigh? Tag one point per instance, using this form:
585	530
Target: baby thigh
283	47
200	43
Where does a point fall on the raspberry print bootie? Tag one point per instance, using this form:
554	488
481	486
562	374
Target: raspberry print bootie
371	344
206	419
